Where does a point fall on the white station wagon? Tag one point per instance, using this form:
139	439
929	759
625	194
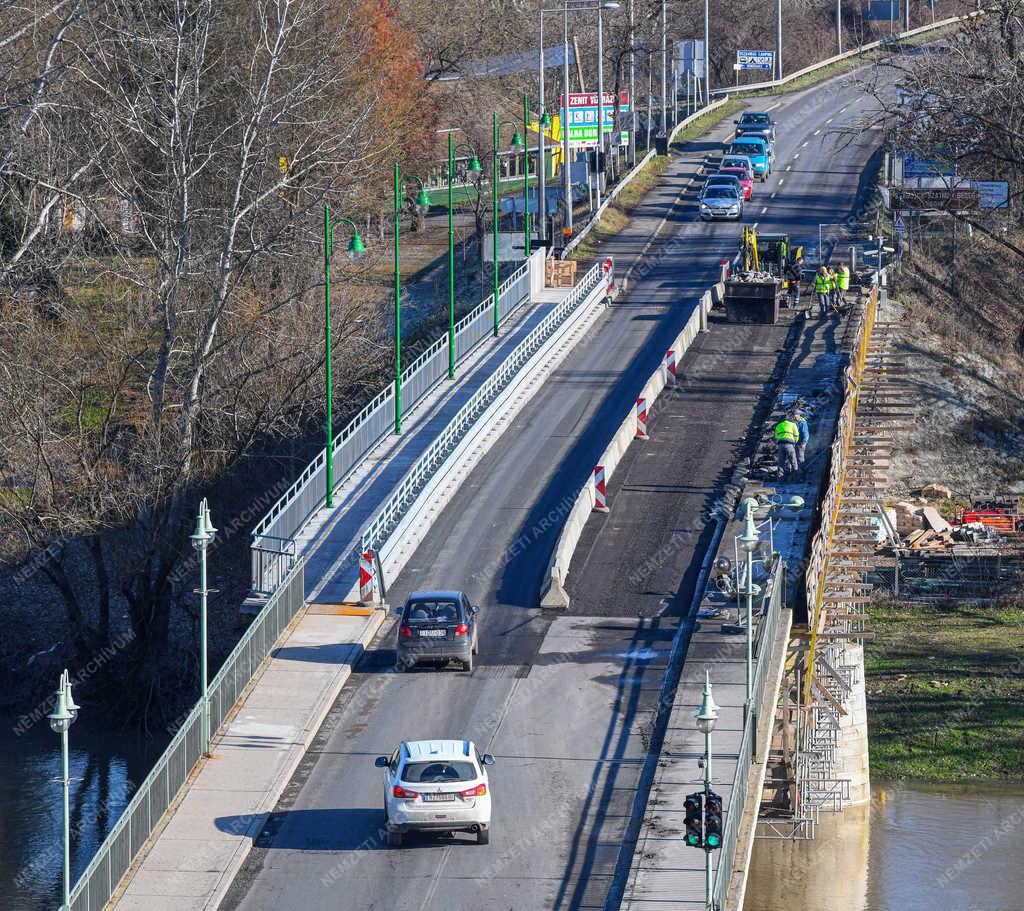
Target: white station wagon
436	786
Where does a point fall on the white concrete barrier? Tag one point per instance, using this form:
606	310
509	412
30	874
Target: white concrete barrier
553	593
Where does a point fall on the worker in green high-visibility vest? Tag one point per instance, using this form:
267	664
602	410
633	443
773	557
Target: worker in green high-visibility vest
822	286
843	283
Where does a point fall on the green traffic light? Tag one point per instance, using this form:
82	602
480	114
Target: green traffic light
713	841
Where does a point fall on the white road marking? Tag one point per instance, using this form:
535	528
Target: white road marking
796	154
775	194
843	110
774	106
816	132
829	120
765	209
782	180
789	167
806	144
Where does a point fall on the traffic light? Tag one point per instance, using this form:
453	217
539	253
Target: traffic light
694	820
713	821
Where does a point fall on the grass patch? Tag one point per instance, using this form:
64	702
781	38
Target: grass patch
712	119
945	685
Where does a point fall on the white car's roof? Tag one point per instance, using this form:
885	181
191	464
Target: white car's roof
420	750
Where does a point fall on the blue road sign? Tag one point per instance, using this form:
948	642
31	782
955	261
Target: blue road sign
755	60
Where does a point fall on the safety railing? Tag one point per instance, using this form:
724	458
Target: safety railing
391	512
767	627
98	884
289	515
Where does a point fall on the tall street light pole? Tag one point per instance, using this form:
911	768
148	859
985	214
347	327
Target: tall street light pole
566	176
839	26
707	52
748	542
778	39
664	70
632	85
474	168
600	102
526	176
542	203
355	251
64	714
201	539
422	204
706	717
517	143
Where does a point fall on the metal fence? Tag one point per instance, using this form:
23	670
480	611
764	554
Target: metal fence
271	558
392	511
765	636
97	885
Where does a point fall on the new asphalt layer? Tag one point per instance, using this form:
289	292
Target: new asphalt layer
566	702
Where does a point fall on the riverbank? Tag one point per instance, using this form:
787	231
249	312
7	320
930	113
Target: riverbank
945	685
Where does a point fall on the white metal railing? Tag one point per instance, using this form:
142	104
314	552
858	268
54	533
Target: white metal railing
271	560
388	516
113	859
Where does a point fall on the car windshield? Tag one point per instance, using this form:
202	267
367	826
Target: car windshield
438	771
750	149
720	193
759	119
431	612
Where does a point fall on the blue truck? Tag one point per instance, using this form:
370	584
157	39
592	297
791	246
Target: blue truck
757	150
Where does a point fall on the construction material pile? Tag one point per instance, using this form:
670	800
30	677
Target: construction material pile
746	276
920	526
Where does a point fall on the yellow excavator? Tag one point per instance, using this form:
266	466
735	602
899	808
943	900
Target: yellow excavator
756	290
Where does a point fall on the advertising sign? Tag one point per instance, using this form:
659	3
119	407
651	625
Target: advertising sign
583	112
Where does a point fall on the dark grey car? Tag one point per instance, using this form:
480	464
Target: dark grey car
436	627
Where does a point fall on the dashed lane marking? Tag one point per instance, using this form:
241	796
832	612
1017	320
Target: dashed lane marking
789	167
816	132
775	194
765	209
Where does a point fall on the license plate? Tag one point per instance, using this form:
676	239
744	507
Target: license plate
433	798
433	633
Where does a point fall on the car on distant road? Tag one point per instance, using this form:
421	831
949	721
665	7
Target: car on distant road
745	178
437	627
436	786
756	123
756	149
721	202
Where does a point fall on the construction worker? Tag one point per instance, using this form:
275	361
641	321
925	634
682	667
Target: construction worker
794	271
821	289
784	251
804	436
786	435
843	280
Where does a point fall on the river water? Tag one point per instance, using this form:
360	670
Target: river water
947	848
105	768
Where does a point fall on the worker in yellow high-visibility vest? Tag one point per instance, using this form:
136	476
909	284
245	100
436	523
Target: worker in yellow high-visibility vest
822	283
843	283
787	434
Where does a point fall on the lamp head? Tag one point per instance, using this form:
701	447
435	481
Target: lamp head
610	5
707	714
64	710
356	248
422	201
750	538
545	119
474	165
207	522
517	141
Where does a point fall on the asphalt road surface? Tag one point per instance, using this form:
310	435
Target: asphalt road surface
566	702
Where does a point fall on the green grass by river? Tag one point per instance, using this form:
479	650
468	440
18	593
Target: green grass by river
945	688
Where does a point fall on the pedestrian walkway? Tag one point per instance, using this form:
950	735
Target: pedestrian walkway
329	539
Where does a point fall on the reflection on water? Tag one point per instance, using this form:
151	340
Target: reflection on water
915	847
105	770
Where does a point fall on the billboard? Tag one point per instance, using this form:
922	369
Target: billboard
583	113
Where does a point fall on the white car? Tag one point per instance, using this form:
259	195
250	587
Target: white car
438	786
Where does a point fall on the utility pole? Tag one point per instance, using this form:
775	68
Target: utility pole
839	26
906	15
600	105
778	39
664	70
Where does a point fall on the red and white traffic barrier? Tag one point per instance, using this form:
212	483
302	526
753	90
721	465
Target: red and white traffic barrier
670	367
366	579
641	420
600	497
725	269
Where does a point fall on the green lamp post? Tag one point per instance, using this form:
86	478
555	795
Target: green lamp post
64	714
422	204
473	168
356	249
516	144
201	538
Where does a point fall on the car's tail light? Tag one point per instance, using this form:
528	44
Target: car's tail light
479	791
462	629
398	791
404	632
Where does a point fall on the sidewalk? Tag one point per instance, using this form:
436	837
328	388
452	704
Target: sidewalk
193	859
329	539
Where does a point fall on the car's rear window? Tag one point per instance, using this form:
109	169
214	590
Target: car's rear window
747	148
720	193
438	770
738	173
432	612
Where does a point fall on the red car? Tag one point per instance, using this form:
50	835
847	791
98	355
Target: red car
741	174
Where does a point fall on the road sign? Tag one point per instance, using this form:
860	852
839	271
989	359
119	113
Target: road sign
924	167
945	198
992	194
511	247
882	10
689	56
899	226
755	60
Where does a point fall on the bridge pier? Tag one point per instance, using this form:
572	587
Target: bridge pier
852	763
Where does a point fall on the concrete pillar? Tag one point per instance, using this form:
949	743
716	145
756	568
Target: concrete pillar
852	754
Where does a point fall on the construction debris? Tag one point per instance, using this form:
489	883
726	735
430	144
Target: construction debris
936	492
